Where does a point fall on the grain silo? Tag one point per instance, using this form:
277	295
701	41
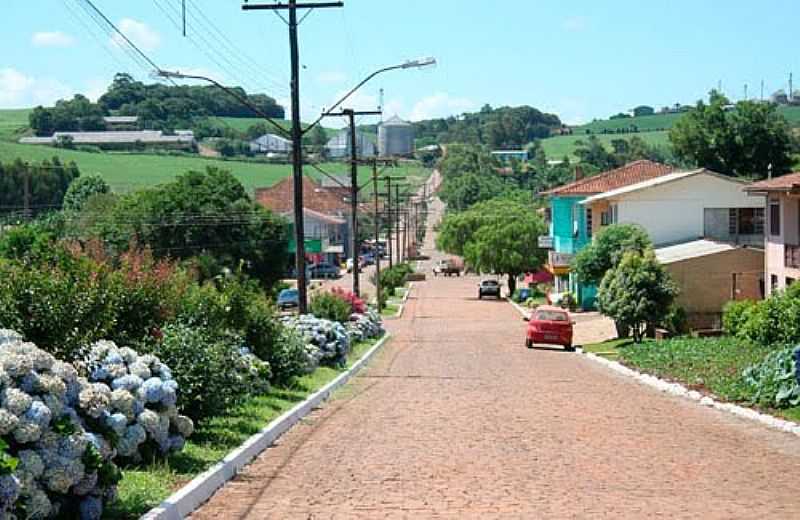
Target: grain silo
395	138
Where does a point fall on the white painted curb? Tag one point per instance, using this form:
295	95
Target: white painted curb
202	487
403	303
679	390
526	313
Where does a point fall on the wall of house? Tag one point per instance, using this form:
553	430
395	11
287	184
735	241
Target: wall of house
706	283
562	225
674	212
775	244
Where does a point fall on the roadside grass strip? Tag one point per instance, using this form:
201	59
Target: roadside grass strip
610	349
221	447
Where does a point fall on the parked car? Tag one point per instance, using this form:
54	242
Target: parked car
368	259
447	268
550	326
489	288
288	298
324	270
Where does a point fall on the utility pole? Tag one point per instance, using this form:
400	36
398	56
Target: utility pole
390	222
26	194
351	115
297	136
377	236
397	221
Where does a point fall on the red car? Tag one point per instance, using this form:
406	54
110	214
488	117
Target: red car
551	326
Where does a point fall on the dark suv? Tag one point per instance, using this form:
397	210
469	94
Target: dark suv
489	288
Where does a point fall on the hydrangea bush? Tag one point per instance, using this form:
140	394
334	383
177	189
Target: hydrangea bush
365	326
133	399
53	463
327	342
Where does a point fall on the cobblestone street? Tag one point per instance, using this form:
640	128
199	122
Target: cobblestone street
456	419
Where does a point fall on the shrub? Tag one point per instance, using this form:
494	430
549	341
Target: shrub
52	463
210	370
357	305
394	277
774	382
772	321
735	315
289	357
82	189
328	306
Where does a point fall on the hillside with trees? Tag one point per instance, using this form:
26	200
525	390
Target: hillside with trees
158	107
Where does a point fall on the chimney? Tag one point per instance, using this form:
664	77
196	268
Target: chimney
578	173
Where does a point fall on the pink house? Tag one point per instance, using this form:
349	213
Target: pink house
782	230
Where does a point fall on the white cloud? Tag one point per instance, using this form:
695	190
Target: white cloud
141	34
331	77
575	23
52	39
19	90
440	105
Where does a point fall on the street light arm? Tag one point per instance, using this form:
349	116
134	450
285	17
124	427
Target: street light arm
241	99
411	64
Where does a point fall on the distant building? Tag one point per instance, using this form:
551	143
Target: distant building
121	123
506	155
183	139
339	146
396	138
271	144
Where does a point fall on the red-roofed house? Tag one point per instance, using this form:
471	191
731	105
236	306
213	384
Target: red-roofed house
326	215
572	225
782	243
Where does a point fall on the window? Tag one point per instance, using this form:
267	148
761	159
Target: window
605	218
589	222
575	223
614	213
746	221
775	217
789	281
773	282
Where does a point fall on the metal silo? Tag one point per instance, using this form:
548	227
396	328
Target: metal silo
395	138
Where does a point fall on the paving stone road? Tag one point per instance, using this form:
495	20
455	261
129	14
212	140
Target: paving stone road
456	419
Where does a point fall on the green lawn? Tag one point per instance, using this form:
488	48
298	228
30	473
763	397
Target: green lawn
143	488
564	145
13	122
714	365
658	122
130	171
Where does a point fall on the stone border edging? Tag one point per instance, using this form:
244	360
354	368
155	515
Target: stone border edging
187	499
678	390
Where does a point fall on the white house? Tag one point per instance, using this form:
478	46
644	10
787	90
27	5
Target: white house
271	143
683	206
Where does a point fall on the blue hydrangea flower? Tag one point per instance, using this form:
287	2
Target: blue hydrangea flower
9	490
129	382
152	390
91	508
39	414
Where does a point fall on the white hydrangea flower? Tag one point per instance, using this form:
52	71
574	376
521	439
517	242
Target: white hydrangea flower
64	371
37	504
140	369
16	401
58	478
55	404
129	355
52	384
149	421
17	364
27	431
8	421
94	399
183	425
123	402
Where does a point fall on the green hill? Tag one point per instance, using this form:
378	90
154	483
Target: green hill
130	171
564	145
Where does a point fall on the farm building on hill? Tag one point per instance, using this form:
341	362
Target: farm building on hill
396	138
339	146
183	139
271	144
121	123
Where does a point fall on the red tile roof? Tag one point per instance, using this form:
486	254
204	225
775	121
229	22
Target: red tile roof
631	173
280	198
788	182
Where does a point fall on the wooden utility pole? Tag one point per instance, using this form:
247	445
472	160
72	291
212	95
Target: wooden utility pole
377	236
297	135
354	245
397	222
390	221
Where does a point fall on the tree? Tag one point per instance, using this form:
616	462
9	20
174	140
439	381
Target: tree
593	152
637	293
604	253
82	189
743	142
497	236
643	110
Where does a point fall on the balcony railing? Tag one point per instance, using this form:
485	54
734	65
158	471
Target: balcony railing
559	259
792	256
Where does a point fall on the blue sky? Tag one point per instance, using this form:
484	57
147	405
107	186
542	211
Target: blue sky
579	59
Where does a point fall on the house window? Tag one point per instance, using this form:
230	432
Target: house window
575	218
605	218
614	213
773	282
789	281
589	222
746	221
775	217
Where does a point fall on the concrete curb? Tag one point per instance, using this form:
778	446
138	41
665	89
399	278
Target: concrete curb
520	309
191	496
679	390
403	304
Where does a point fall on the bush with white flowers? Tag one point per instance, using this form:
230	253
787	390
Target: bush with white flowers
327	342
51	461
365	326
133	399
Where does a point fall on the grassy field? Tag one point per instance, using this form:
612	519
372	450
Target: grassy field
131	171
242	124
564	145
